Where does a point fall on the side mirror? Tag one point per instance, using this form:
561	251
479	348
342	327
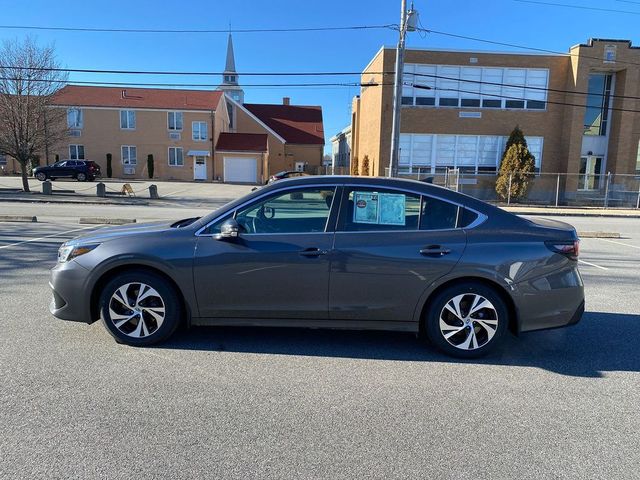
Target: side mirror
228	230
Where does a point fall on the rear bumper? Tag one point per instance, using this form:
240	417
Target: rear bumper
550	302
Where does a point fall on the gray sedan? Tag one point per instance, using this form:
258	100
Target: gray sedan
334	252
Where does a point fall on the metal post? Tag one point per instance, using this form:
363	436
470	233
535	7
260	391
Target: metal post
638	201
557	189
397	93
606	190
509	191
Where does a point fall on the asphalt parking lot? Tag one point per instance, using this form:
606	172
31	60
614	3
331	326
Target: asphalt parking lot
288	403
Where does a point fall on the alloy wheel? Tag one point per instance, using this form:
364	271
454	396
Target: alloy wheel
468	321
137	310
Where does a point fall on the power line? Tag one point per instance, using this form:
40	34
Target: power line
197	31
522	47
508	85
203	85
567	104
580	7
289	74
165	72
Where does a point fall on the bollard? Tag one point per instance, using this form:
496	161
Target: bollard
101	190
46	187
153	191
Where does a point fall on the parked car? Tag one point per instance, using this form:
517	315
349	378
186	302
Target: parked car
336	252
81	170
286	174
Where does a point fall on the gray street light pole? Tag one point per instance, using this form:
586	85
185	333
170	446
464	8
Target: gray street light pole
407	23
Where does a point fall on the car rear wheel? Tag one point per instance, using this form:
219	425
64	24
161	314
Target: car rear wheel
81	177
140	308
41	176
467	320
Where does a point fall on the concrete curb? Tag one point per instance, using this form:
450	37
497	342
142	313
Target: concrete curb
608	214
105	221
18	218
71	202
599	235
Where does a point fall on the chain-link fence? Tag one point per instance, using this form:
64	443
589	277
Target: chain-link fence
549	189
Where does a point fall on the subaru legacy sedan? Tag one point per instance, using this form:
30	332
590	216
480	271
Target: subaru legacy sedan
330	252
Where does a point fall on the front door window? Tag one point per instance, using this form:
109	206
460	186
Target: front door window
590	173
297	211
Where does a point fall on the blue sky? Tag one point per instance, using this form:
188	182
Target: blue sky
510	21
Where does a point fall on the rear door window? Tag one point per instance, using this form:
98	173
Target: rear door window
438	214
379	209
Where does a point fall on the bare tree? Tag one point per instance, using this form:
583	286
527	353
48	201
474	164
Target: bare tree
30	124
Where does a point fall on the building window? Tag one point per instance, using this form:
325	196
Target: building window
475	87
3	160
597	113
426	153
129	155
74	118
76	152
127	119
199	131
637	160
231	113
174	120
229	78
175	157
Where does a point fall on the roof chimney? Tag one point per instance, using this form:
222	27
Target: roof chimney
286	100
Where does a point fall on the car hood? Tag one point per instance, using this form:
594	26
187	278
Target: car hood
111	233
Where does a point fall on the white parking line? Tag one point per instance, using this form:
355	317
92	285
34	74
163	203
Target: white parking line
593	265
620	243
47	236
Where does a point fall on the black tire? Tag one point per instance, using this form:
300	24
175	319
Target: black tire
81	177
461	342
129	331
41	176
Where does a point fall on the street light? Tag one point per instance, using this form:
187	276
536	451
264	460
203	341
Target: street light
408	21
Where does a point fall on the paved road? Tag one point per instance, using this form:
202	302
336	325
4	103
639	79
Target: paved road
287	403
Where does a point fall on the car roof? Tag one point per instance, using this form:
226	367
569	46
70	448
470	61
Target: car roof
400	183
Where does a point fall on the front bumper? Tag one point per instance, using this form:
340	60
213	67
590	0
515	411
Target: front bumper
70	292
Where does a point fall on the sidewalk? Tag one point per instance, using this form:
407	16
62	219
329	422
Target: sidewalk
573	211
69	191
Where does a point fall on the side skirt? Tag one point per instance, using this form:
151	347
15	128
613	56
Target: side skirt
307	323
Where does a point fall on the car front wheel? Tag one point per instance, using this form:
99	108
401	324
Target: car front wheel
41	176
140	308
467	320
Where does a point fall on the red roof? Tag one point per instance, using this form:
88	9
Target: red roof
125	97
294	123
242	142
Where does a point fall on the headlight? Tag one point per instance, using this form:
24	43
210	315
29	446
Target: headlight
69	252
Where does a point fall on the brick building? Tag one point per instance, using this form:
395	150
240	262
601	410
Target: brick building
206	135
580	112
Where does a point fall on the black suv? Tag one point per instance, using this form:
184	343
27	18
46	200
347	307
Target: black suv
81	170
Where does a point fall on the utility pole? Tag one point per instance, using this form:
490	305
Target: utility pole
407	23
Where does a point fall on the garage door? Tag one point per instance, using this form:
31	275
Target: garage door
241	170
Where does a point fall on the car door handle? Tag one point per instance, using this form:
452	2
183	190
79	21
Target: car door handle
312	252
434	251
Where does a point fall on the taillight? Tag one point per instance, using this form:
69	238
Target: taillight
570	249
